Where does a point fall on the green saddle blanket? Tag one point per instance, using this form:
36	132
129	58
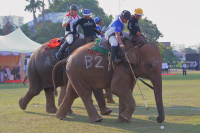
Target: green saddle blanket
95	48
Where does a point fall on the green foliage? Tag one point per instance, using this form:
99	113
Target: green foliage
26	30
63	6
1	32
150	29
47	32
189	51
8	28
167	53
33	5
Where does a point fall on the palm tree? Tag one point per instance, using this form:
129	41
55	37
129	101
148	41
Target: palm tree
33	5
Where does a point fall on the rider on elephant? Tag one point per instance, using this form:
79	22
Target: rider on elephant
113	33
136	37
98	20
68	23
88	26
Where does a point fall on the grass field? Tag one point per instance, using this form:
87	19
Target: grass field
181	96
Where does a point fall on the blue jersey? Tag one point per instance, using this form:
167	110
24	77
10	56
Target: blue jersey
99	29
116	26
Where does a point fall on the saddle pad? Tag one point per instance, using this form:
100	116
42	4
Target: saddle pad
97	49
53	43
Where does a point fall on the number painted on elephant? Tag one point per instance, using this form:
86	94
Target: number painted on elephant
47	61
50	61
88	61
97	65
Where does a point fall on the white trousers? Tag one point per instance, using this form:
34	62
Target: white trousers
70	37
113	41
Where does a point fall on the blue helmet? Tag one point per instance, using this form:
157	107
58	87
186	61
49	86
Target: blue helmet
97	19
86	12
74	7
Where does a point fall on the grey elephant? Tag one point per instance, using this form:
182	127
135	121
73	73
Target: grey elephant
87	72
40	69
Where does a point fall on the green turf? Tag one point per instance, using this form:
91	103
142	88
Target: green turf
181	96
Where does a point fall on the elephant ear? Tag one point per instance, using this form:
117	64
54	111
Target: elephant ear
132	56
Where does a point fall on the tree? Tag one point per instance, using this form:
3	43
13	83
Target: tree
150	29
8	28
189	50
47	32
1	32
64	5
33	5
167	53
26	30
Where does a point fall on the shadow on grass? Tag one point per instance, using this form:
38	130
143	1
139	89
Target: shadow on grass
141	110
34	113
136	125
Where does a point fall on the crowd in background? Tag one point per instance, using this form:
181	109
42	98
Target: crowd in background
14	73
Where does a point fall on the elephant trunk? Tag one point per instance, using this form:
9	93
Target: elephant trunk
157	83
63	62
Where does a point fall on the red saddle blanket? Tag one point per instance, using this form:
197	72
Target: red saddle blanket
53	43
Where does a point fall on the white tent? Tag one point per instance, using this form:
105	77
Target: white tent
13	45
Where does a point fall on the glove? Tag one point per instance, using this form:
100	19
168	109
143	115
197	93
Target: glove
69	20
103	28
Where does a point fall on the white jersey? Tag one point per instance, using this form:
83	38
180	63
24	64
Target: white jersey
69	27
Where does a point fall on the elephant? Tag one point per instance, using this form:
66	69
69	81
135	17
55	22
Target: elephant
88	71
40	78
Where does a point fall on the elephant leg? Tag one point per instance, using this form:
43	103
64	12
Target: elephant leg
122	106
86	97
127	104
121	86
109	96
62	94
23	101
67	102
101	102
50	100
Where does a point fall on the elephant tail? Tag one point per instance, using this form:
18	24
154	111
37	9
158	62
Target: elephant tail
61	63
25	78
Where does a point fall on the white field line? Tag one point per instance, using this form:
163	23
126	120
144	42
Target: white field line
40	105
173	108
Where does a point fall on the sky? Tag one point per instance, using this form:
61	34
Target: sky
177	20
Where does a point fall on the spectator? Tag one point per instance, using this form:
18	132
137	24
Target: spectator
7	72
163	68
166	67
15	72
184	67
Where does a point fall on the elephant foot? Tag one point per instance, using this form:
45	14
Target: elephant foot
51	110
106	111
110	101
96	119
126	117
121	120
70	112
21	104
61	117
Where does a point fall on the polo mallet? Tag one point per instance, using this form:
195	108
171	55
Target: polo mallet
147	107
